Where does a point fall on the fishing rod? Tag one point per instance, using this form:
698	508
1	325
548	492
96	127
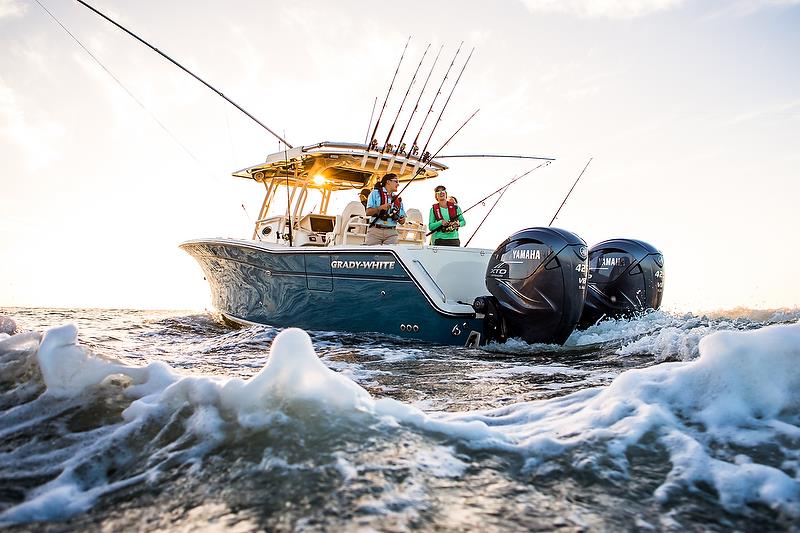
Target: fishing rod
374	140
414	148
421	171
438	120
400	109
514	180
503	188
400	146
372	114
570	191
192	74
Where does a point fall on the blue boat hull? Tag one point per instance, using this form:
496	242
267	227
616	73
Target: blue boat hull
325	289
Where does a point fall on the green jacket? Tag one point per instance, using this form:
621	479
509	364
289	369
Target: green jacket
434	225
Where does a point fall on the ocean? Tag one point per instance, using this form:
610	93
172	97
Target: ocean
144	420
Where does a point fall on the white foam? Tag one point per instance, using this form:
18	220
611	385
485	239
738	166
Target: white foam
616	329
7	326
742	390
668	343
294	375
517	370
68	368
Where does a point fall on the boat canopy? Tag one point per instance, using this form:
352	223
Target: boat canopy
338	166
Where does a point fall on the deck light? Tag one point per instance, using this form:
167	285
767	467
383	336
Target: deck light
319	179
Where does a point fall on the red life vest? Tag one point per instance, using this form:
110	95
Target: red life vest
384	196
395	203
384	215
451	210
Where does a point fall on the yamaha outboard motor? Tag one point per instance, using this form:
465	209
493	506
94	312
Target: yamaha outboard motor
537	278
626	277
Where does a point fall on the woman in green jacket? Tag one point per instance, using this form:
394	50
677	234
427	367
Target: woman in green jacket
444	220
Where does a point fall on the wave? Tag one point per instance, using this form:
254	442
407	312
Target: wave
728	421
725	423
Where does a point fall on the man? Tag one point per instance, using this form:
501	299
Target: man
387	211
363	196
445	219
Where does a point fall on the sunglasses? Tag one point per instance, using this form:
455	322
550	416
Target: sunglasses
440	193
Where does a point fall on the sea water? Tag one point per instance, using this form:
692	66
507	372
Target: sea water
174	421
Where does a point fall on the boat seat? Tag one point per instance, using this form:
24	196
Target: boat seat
414	230
351	227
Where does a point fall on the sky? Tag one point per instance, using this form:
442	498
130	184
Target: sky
690	111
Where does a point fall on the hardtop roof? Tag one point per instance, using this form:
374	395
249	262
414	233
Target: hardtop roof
342	166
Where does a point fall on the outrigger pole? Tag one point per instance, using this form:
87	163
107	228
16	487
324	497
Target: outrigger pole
400	146
192	74
414	148
374	140
435	124
422	170
413	79
570	192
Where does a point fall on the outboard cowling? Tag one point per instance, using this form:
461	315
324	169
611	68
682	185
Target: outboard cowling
537	281
626	276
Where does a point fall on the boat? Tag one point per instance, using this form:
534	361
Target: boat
310	268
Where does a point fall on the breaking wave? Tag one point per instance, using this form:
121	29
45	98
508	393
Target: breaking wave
717	423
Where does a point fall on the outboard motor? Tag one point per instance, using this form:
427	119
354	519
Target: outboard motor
537	278
626	276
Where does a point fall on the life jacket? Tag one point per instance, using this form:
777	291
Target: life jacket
395	206
452	210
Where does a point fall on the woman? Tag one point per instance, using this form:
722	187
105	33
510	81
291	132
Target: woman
444	220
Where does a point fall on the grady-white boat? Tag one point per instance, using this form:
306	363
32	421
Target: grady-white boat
310	268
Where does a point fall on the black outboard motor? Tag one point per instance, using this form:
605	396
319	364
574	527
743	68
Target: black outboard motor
537	278
626	276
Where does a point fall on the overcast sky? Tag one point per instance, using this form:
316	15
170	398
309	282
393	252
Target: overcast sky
691	111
